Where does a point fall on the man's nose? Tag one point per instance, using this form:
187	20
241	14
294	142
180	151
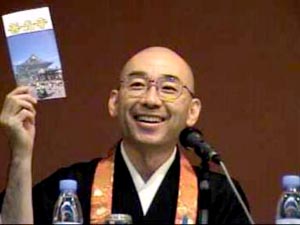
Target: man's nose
151	98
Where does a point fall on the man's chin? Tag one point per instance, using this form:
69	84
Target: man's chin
150	140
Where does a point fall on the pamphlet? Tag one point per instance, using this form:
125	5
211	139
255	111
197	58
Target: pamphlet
33	52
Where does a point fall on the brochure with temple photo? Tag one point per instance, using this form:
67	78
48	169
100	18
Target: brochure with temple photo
33	52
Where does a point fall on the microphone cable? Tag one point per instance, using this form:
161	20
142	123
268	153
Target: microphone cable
237	194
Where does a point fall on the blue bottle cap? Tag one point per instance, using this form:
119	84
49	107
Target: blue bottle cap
69	184
290	181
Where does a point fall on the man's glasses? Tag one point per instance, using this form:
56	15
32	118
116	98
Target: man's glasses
168	87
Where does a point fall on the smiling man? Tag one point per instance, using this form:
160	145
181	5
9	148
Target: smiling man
145	175
155	102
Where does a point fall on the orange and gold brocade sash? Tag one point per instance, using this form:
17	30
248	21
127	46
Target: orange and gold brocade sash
101	197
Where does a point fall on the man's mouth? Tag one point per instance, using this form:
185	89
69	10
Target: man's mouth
149	118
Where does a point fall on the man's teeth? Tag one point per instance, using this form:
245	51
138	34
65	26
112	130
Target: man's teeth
149	119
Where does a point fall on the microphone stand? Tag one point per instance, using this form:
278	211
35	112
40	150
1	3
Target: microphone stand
205	200
205	192
192	138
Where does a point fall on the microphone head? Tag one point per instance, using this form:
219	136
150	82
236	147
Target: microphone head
190	136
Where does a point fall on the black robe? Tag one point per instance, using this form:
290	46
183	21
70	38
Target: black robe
224	207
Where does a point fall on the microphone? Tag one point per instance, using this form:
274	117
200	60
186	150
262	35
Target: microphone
191	137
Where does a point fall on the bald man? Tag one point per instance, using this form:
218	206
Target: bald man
145	175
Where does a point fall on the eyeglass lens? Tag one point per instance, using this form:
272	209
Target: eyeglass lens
168	87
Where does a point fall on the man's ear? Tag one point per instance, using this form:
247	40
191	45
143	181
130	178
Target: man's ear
194	112
113	103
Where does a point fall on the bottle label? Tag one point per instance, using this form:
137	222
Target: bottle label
288	221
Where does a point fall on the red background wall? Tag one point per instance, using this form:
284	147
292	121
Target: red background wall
245	55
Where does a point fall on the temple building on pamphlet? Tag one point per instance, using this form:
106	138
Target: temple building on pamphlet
35	69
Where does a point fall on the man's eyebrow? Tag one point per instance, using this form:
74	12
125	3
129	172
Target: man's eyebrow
137	73
143	73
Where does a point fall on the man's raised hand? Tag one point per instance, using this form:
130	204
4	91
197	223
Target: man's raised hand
18	119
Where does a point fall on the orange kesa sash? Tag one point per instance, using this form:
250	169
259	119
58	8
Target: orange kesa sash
101	197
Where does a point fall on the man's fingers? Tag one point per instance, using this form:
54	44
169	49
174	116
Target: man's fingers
26	115
23	92
18	119
17	101
28	97
24	96
20	90
14	103
25	105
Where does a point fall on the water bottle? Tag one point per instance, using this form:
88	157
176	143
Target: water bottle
67	208
288	208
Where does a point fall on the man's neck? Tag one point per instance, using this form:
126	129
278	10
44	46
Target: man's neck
147	159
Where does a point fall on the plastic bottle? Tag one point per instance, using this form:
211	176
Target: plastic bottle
67	208
288	208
